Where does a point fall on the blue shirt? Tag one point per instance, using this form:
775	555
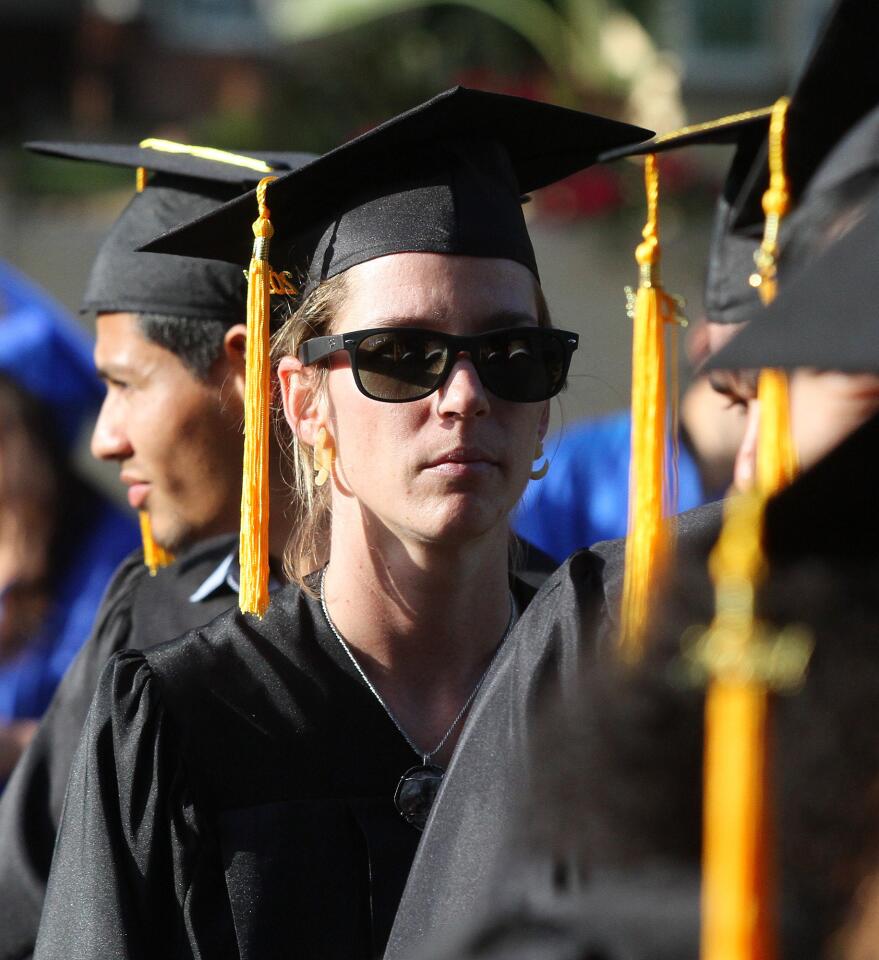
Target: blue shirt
585	496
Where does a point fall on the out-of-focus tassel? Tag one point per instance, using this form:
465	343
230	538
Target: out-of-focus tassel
154	556
776	454
744	662
254	544
735	761
647	543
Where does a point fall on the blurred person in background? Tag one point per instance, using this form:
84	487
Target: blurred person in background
170	348
60	540
584	498
825	404
614	811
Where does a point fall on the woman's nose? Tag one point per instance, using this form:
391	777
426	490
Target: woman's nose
463	394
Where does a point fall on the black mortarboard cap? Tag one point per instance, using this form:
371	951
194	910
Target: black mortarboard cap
825	317
445	177
734	130
837	87
179	182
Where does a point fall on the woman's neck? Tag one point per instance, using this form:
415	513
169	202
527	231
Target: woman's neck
422	620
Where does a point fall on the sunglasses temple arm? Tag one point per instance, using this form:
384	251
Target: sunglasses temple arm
319	347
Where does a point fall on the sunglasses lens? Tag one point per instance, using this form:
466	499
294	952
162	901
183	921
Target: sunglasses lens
400	364
525	366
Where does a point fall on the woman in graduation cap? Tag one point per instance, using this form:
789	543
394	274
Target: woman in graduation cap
257	787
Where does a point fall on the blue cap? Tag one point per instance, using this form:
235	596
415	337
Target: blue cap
45	351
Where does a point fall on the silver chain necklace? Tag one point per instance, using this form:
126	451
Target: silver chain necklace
425	757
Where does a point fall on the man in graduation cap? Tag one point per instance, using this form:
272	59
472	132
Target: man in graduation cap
258	786
170	348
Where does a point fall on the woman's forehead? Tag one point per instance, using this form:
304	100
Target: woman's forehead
437	288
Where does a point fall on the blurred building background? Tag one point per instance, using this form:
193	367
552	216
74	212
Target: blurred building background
307	74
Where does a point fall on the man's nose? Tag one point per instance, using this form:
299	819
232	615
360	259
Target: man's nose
109	438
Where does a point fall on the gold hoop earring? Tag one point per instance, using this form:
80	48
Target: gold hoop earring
543	469
324	456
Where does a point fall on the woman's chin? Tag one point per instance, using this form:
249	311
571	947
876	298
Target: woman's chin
461	519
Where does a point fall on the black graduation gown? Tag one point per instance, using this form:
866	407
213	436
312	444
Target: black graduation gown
137	610
233	797
644	914
463	864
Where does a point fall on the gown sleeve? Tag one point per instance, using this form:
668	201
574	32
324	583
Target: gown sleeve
123	862
30	809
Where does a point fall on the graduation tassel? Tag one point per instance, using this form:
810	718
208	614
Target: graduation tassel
154	556
738	844
647	543
254	544
776	455
744	663
734	763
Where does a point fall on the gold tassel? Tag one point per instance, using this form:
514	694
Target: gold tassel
776	454
254	545
647	543
140	179
154	556
738	863
736	858
744	663
734	869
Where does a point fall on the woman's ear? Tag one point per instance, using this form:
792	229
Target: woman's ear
543	425
300	400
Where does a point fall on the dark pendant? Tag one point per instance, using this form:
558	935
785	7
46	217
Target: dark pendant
416	792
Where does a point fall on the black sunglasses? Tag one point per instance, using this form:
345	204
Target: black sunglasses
399	364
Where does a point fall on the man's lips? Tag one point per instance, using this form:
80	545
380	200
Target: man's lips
138	491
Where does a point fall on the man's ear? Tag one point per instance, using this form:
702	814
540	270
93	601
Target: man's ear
234	351
300	400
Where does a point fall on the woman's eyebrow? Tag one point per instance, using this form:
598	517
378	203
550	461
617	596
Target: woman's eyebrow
511	318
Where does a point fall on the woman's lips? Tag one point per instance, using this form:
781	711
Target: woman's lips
463	463
137	494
